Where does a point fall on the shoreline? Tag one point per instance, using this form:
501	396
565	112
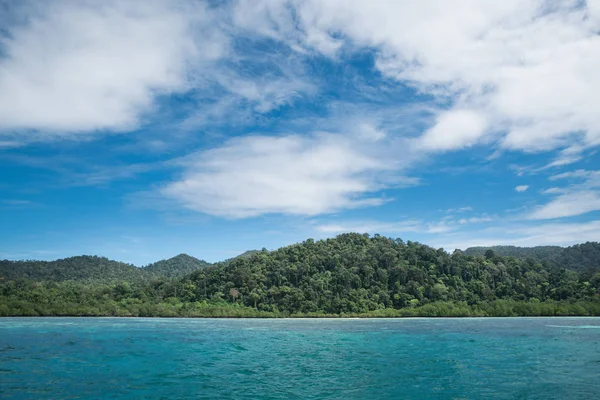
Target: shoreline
95	307
296	318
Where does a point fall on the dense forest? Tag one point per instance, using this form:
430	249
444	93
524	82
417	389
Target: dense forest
93	269
176	267
581	257
350	275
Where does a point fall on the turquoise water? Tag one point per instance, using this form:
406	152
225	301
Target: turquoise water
513	358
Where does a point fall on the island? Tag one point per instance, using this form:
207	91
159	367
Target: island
351	275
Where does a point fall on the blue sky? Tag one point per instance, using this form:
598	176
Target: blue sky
138	131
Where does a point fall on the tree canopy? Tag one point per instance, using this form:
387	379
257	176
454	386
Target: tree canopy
352	274
96	269
580	257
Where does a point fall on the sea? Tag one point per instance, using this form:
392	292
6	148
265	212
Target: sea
409	358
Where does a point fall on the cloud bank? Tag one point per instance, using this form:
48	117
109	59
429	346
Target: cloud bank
512	75
72	67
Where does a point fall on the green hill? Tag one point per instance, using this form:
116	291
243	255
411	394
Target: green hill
98	269
356	273
580	257
80	268
352	274
246	254
175	267
537	252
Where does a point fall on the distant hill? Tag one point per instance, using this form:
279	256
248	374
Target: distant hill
246	254
80	268
355	273
580	257
351	274
175	267
98	269
537	252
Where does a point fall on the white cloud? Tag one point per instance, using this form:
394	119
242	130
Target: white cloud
18	203
446	224
369	132
577	174
576	199
370	227
440	227
463	236
389	228
453	130
84	66
558	234
526	71
521	188
458	210
267	93
568	205
568	156
474	220
520	72
554	190
68	68
300	175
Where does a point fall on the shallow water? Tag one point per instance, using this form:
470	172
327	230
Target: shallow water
127	358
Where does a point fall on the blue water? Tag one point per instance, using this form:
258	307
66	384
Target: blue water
513	358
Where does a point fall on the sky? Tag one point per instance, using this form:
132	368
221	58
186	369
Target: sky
141	130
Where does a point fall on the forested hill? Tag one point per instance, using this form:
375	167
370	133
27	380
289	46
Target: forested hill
580	257
95	269
537	252
351	274
80	268
354	273
246	254
175	267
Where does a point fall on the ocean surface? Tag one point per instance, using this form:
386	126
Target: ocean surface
137	358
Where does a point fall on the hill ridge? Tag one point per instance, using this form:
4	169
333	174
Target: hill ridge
352	274
579	257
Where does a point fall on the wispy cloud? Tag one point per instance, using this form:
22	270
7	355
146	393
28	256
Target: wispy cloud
388	228
576	199
108	79
101	175
577	174
18	203
445	225
499	84
569	204
560	234
293	174
521	188
68	69
567	156
7	144
296	111
459	210
370	227
475	220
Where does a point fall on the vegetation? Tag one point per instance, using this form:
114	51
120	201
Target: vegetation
351	275
81	268
175	267
581	257
93	269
